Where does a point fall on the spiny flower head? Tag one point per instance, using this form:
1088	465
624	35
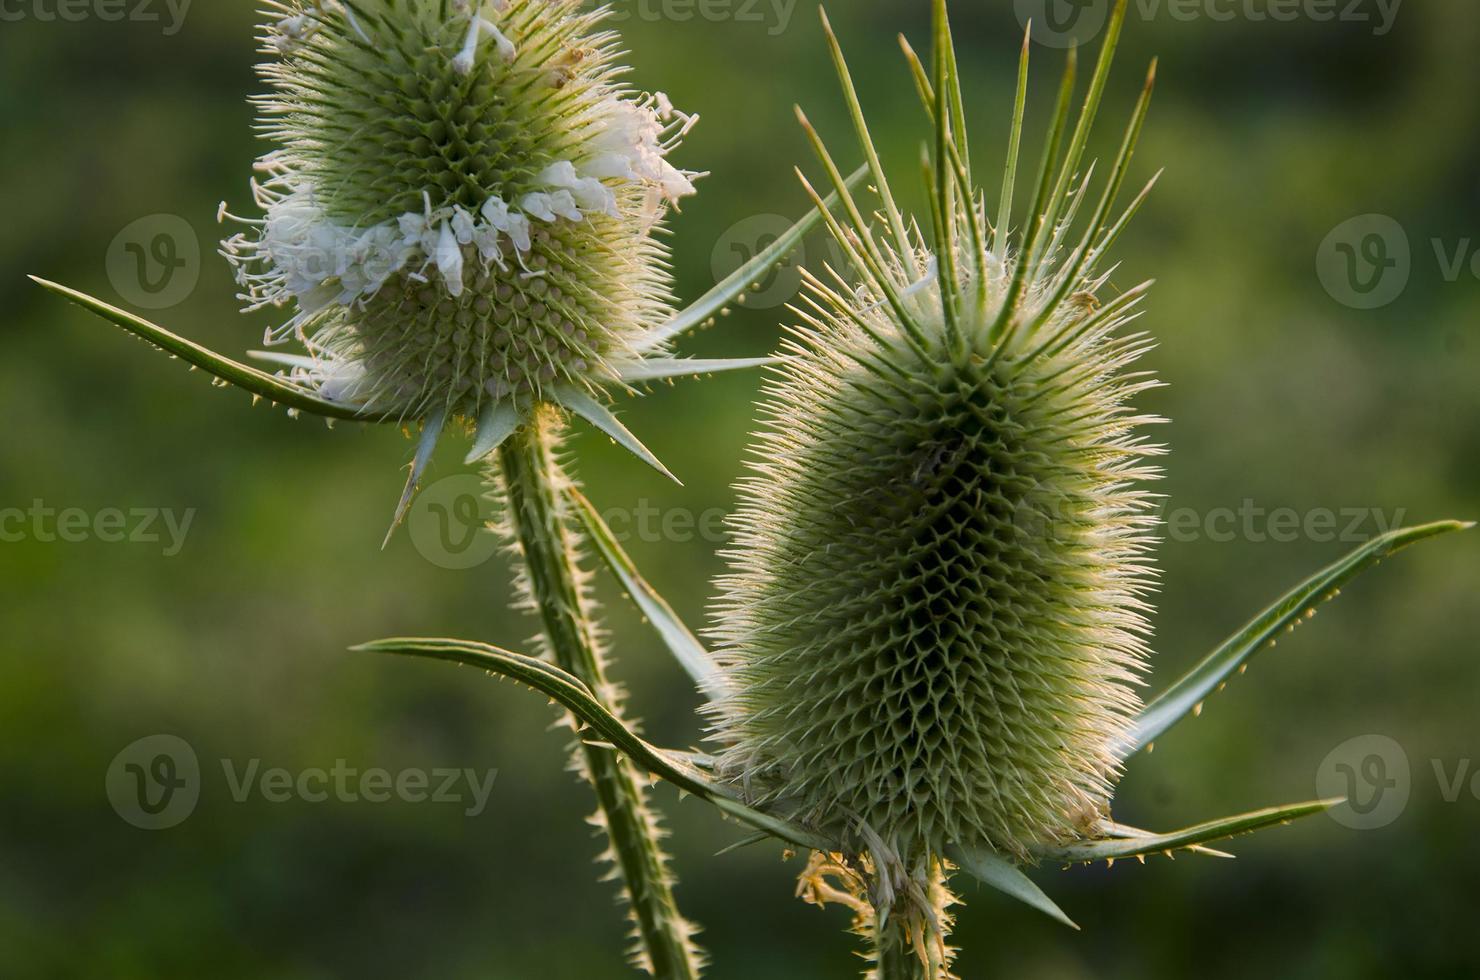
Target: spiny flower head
933	626
460	209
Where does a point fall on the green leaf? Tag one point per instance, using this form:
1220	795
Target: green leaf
1187	694
999	873
1112	849
575	697
495	424
726	292
602	418
902	241
679	639
661	368
425	446
246	377
1124	832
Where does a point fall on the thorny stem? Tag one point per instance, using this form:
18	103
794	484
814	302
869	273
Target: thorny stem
532	481
896	960
911	941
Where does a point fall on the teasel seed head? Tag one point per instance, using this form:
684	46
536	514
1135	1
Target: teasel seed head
933	626
461	205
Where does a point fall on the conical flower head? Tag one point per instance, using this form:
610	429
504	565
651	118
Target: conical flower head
934	622
461	205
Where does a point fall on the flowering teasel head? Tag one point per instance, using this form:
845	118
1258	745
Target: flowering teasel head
932	631
461	205
460	220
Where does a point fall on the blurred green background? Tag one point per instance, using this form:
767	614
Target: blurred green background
1272	133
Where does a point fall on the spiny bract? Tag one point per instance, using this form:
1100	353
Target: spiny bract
933	627
461	205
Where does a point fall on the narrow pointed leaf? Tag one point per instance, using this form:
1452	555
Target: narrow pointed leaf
571	694
244	376
1089	111
999	873
1014	151
657	368
430	433
1124	832
869	258
679	639
726	292
497	422
556	684
757	838
1186	694
1037	224
1214	830
600	416
860	124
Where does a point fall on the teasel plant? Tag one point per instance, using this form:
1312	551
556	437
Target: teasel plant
927	651
461	218
928	648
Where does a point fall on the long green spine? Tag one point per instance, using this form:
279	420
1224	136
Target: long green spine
532	481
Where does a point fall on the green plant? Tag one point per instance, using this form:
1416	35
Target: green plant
927	646
460	211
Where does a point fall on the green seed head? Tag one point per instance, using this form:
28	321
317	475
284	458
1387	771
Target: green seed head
461	205
933	625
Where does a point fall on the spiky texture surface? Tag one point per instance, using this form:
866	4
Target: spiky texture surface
528	484
934	622
462	201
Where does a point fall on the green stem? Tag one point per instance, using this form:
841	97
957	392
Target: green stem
532	481
912	942
896	960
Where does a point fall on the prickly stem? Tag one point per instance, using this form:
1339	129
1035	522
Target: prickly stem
529	474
